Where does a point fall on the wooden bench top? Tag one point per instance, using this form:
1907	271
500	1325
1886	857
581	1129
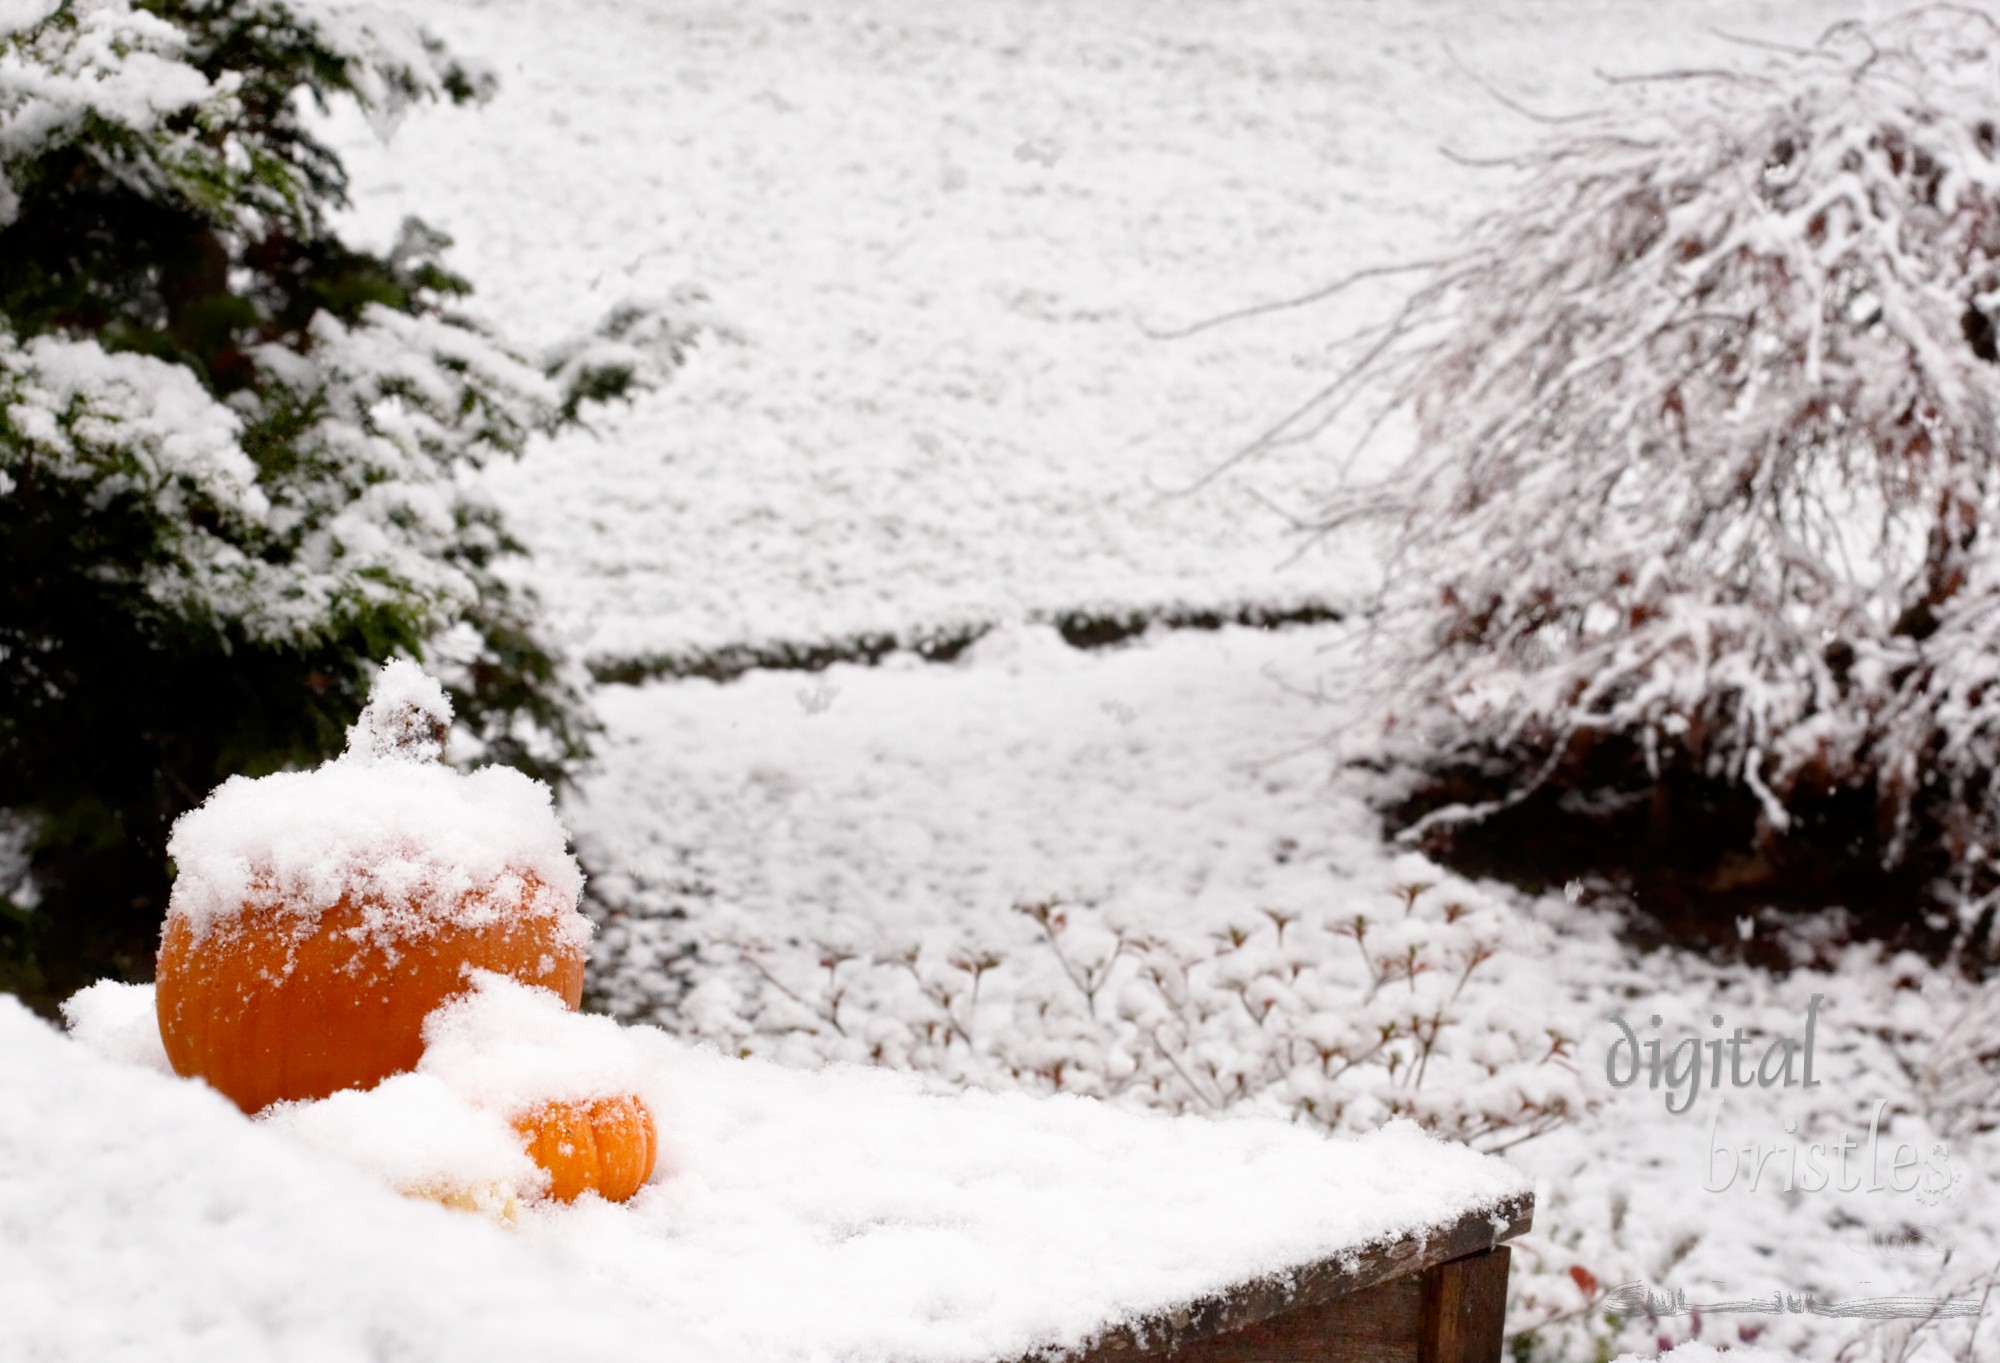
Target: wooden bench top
1390	1301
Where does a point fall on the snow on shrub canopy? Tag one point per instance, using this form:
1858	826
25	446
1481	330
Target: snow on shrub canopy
380	405
386	826
1708	422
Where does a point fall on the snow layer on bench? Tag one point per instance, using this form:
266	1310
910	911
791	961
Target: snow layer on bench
142	1217
845	1213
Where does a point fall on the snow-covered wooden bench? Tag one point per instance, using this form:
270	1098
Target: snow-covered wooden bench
795	1216
1008	1228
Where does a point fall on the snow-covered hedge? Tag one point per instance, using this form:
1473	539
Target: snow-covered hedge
1706	477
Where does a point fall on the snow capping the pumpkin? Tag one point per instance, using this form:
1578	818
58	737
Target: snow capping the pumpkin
413	842
405	720
418	845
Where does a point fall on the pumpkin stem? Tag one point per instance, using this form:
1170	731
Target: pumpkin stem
407	718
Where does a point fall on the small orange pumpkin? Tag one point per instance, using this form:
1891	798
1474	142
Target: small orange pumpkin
605	1146
319	917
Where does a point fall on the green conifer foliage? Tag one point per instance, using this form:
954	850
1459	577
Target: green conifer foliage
234	450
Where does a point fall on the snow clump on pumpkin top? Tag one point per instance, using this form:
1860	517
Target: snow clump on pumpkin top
386	826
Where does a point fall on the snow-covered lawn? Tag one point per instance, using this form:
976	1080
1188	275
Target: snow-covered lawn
937	241
820	832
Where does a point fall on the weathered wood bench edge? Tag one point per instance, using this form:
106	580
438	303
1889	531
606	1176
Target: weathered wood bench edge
1260	1299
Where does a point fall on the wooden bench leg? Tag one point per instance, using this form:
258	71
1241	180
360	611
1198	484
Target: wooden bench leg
1465	1309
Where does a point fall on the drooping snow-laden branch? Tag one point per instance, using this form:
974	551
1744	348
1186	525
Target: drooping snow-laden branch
1708	417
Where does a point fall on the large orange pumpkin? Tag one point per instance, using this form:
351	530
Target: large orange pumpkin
320	916
268	1013
605	1146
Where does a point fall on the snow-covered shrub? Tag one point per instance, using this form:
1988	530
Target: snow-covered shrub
235	451
1707	484
1342	1019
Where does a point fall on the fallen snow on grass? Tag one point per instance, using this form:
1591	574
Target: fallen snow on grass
847	1213
1696	1352
1168	778
940	246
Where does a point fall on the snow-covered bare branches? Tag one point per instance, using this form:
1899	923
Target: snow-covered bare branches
1708	419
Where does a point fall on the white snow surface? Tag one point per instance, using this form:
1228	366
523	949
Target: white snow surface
889	1222
492	1055
178	437
421	1137
144	1218
843	1213
1179	784
406	709
120	1023
934	242
941	249
511	1047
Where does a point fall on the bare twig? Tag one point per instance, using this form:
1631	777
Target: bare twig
828	1015
1317	295
1507	101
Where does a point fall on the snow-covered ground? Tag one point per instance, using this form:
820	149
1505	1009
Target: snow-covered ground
940	248
937	245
